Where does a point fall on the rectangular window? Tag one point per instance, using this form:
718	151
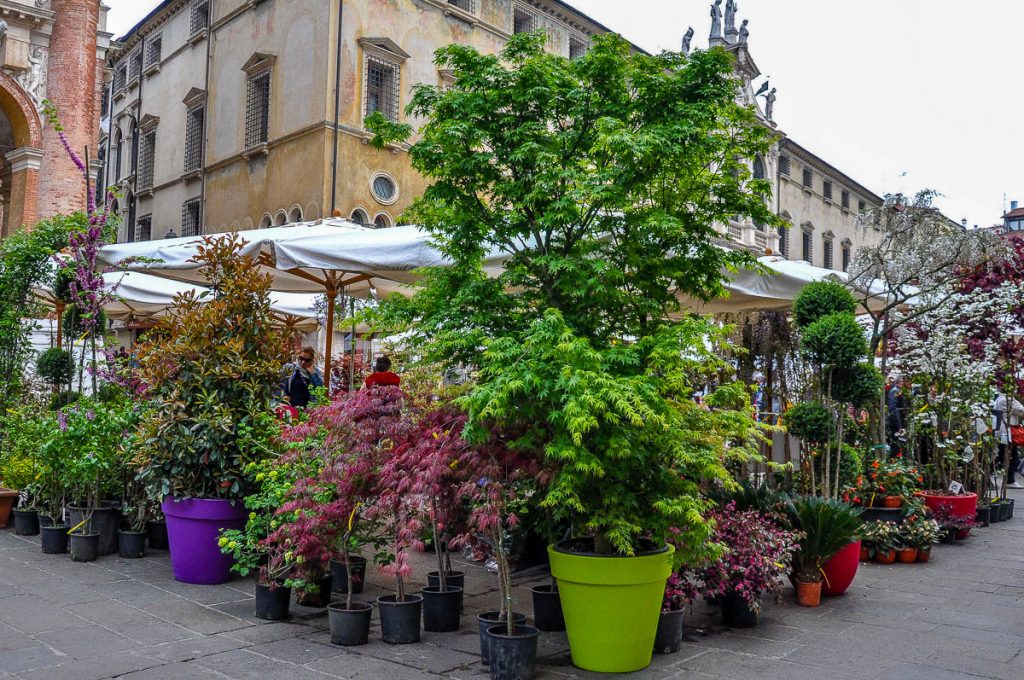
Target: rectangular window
808	243
845	199
784	165
135	65
257	110
382	83
467	5
861	206
784	242
523	21
194	119
146	157
200	18
828	255
191	217
808	179
154	48
120	78
577	47
144	228
826	189
846	258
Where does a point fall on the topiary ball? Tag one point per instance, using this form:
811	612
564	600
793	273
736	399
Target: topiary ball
809	420
836	341
820	299
55	366
860	385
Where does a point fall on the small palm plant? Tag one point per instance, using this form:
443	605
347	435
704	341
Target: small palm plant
827	526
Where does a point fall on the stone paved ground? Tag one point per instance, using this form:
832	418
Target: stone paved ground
960	616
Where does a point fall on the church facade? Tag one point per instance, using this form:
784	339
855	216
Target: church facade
49	50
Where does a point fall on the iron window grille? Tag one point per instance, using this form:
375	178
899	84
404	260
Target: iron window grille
808	179
135	65
359	216
191	217
194	138
523	21
465	5
200	18
846	258
784	165
577	47
384	189
144	228
257	110
784	241
120	77
146	159
381	87
154	51
827	189
808	243
828	254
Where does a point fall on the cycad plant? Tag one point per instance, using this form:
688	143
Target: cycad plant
827	526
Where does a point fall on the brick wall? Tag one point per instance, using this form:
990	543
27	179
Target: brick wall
73	89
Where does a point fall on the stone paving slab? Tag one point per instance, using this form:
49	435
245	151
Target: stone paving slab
959	616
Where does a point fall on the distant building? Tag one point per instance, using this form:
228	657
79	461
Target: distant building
1013	222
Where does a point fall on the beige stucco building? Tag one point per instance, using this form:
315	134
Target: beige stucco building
237	114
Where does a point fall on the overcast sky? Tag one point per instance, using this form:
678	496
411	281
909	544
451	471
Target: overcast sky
898	94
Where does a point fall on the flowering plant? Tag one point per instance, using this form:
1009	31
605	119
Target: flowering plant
881	537
679	592
919	531
892	477
945	518
757	553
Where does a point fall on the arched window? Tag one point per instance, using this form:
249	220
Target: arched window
118	153
135	149
296	214
758	168
266	221
281	218
382	221
359	216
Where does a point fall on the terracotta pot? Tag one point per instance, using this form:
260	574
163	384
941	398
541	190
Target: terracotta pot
908	555
865	554
7	499
924	554
885	557
808	593
892	502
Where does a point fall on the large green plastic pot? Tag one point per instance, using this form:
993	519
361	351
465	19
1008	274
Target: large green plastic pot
611	605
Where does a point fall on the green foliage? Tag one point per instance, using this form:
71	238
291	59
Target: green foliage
598	182
63	398
74	327
834	341
820	299
212	366
827	526
809	420
25	429
55	366
25	261
860	385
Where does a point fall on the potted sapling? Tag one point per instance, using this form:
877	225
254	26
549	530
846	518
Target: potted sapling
251	553
679	593
349	621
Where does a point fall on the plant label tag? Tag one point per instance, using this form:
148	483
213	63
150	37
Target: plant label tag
956	488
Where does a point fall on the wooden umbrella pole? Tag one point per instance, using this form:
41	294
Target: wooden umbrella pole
332	293
59	305
352	372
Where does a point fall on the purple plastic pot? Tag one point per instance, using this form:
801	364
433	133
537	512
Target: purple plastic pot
193	527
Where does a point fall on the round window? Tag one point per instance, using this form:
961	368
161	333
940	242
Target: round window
384	189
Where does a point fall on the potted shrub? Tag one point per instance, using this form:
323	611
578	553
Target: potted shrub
679	593
921	532
54	459
577	342
349	621
198	447
883	538
827	526
757	554
22	433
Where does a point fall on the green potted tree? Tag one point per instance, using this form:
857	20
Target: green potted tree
22	434
598	182
211	366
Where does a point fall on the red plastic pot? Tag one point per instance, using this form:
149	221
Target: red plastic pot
959	506
841	569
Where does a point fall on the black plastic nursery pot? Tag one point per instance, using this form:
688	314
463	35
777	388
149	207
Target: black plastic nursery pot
669	638
350	626
451	578
156	531
736	613
339	572
1009	514
982	516
26	522
85	547
442	610
400	621
321	598
105	521
45	521
131	545
547	609
1004	510
513	657
993	512
272	604
54	539
487	619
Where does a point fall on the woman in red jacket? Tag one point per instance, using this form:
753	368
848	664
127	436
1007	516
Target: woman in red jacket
382	374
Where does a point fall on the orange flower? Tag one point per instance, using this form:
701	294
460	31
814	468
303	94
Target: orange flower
875	465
